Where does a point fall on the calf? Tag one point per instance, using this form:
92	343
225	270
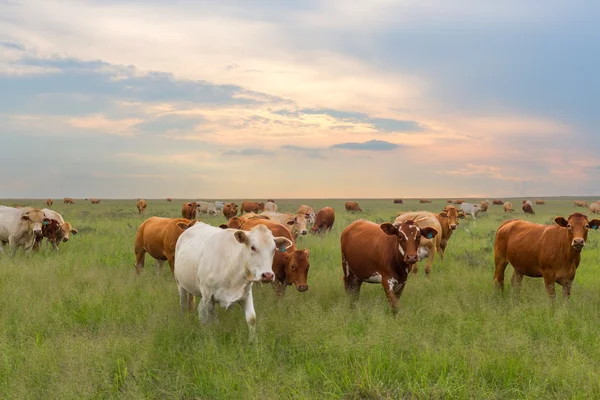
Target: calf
324	220
20	227
189	210
428	247
352	206
220	266
552	252
204	207
141	206
65	228
252	206
50	231
380	254
230	210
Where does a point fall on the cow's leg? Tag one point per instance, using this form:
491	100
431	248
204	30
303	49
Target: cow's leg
206	309
171	261
351	282
430	258
140	257
549	283
393	288
501	263
248	306
279	287
159	266
183	299
566	286
516	280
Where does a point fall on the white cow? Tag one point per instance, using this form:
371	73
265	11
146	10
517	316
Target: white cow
469	208
220	266
219	204
295	223
19	227
205	207
270	206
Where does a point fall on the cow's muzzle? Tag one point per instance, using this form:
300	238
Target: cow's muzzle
267	277
578	244
453	226
302	288
65	239
304	232
411	259
37	232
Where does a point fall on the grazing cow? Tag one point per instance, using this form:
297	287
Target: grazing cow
449	201
308	212
205	207
352	206
68	200
220	266
595	208
50	230
238	222
252	206
295	223
20	227
428	247
459	202
219	205
540	202
169	199
383	254
49	202
141	206
66	229
552	252
398	201
497	202
424	201
508	207
189	210
469	208
448	220
483	206
324	220
527	208
270	206
580	203
290	267
94	201
157	236
230	210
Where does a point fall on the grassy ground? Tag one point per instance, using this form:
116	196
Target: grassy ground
80	324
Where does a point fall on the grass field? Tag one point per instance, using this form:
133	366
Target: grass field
80	324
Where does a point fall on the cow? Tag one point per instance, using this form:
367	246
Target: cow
189	210
552	252
459	202
230	210
528	202
290	267
220	266
237	222
508	207
295	223
20	227
527	208
483	206
204	207
50	231
95	201
169	200
428	247
270	206
383	254
270	200
498	202
324	220
449	201
68	200
252	206
219	205
49	202
424	201
66	229
157	236
141	206
580	203
448	220
468	208
308	212
352	206
540	202
595	208
398	201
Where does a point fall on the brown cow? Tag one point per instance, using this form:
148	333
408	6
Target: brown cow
308	212
50	231
237	222
398	201
189	210
552	252
527	209
169	199
295	223
424	201
158	236
508	207
383	254
95	201
291	266
429	246
595	208
324	220
483	206
230	210
141	206
540	202
252	206
449	201
497	202
448	220
68	200
458	201
580	203
352	206
49	202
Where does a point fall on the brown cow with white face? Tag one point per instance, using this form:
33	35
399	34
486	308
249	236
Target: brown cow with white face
189	210
552	252
324	220
252	206
352	206
230	210
382	254
141	206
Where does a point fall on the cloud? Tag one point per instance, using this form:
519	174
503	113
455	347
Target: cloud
485	170
308	151
373	145
248	152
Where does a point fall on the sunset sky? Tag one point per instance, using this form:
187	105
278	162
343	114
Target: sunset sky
299	99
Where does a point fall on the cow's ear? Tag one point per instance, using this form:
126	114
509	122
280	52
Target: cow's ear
283	243
241	237
185	225
25	217
595	224
389	229
560	221
306	251
291	222
223	226
429	232
443	214
74	231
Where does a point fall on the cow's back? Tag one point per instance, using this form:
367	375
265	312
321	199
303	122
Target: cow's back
521	244
9	221
366	248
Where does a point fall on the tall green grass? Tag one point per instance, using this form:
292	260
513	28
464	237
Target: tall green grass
80	324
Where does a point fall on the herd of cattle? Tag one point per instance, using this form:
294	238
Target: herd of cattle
220	264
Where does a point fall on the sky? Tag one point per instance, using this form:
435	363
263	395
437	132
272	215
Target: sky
299	99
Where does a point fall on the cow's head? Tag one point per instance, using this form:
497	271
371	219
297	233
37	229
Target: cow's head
259	249
64	234
578	226
310	217
408	235
298	224
235	223
453	215
51	229
34	218
296	270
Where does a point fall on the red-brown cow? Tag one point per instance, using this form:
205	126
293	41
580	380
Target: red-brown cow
141	206
95	201
352	206
398	201
527	209
189	210
552	252
324	220
383	254
498	202
252	206
50	231
49	202
230	210
68	200
448	220
424	201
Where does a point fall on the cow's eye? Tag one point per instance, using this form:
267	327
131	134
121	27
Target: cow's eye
587	226
253	248
569	226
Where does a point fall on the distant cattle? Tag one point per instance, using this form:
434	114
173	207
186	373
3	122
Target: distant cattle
271	201
68	200
540	202
324	220
470	209
580	203
398	201
220	266
230	210
94	201
271	206
252	206
308	212
527	208
219	204
157	236
552	252
497	202
352	206
49	202
483	206
449	201
169	199
428	247
508	207
20	227
295	223
595	208
205	207
141	206
382	254
424	201
458	202
189	210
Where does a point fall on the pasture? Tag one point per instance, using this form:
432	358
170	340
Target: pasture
81	324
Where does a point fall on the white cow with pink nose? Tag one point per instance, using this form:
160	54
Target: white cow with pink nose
220	266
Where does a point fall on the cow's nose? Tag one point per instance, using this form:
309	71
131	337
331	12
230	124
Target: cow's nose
453	226
578	242
411	259
302	288
65	239
304	232
37	232
267	277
